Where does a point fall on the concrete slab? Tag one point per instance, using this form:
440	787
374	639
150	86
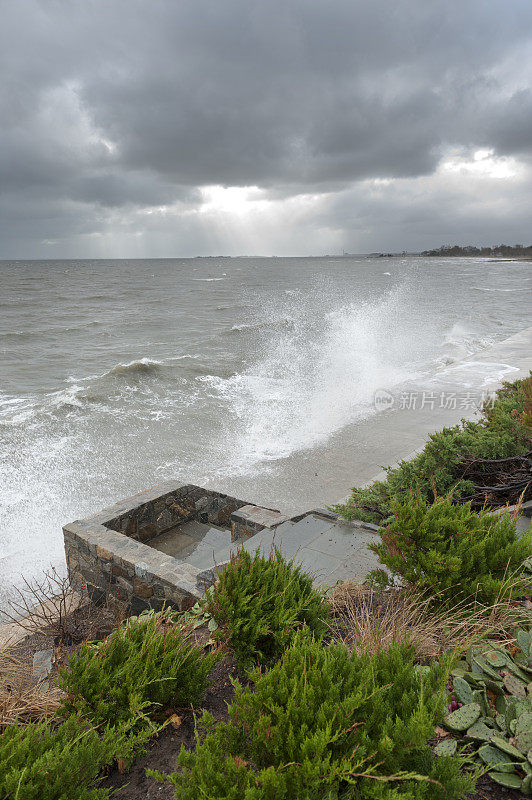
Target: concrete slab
205	555
329	551
173	543
319	565
343	540
263	517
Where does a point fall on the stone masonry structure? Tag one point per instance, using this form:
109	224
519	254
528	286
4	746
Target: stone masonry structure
108	553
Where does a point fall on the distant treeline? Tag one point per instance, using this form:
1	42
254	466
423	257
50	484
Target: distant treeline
471	250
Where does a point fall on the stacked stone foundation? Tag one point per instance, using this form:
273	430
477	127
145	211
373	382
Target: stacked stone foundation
108	554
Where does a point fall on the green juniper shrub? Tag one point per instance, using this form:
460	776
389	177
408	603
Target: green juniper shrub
41	761
501	433
143	666
326	722
259	602
447	549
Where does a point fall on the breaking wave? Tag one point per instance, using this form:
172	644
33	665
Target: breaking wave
317	375
142	366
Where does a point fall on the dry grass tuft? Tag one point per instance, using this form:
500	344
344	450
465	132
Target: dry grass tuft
367	618
22	699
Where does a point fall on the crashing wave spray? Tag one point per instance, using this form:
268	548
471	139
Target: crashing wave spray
318	373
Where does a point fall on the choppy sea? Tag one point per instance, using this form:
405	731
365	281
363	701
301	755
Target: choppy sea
226	372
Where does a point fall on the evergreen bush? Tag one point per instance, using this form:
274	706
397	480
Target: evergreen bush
43	762
259	602
500	433
448	549
145	664
325	722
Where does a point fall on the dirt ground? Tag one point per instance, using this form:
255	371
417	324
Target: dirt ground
163	751
489	790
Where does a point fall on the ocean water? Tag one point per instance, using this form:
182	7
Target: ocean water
241	374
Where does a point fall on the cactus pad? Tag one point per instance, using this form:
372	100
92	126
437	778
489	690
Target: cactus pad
511	780
526	785
495	758
519	670
500	704
495	659
523	741
524	722
506	747
463	718
463	690
480	697
515	686
480	732
501	722
486	669
524	641
447	747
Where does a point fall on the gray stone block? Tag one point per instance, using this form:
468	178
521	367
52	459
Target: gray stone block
42	664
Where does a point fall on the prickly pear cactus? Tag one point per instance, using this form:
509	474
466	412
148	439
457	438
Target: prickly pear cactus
507	779
463	718
463	690
490	708
495	758
447	747
495	659
514	686
479	732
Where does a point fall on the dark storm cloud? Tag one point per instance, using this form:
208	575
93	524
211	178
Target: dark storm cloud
115	105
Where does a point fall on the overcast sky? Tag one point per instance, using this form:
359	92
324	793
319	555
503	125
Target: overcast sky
180	127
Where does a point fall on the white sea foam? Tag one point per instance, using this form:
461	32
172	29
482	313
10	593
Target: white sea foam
470	374
315	377
465	340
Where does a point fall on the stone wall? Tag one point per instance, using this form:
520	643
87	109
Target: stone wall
146	520
249	520
107	554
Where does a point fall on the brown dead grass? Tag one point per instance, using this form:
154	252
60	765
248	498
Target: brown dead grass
367	618
22	698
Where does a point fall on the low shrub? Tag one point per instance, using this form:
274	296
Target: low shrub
500	433
147	663
42	762
449	550
326	722
258	604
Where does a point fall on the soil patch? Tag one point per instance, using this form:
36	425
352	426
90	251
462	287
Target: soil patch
489	790
163	750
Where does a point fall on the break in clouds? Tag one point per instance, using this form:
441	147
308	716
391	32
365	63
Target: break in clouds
164	128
